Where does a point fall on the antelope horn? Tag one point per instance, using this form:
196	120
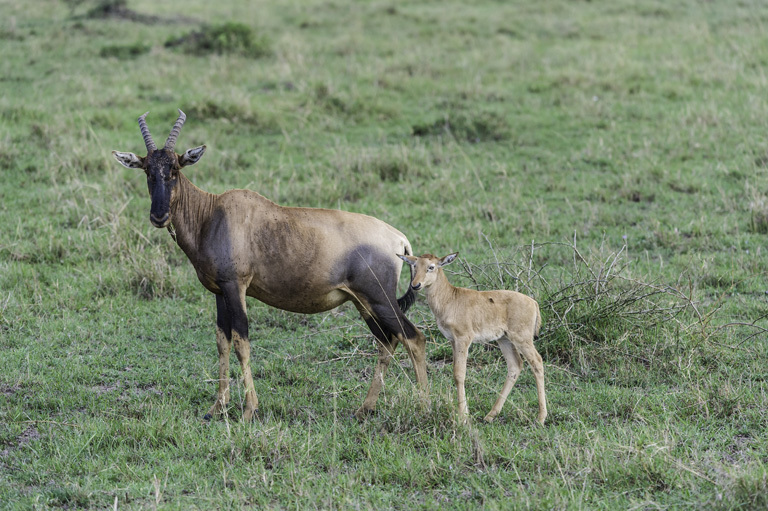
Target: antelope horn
171	142
145	133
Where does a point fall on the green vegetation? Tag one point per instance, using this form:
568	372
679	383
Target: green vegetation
127	51
235	38
606	157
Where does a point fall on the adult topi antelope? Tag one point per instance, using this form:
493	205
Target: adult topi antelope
297	259
465	316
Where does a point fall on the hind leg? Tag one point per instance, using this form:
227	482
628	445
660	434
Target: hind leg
416	346
386	350
531	355
514	366
400	329
390	327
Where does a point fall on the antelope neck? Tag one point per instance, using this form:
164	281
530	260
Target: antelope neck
189	213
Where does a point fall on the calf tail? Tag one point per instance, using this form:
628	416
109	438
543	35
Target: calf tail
537	327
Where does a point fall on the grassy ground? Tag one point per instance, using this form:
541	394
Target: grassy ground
608	158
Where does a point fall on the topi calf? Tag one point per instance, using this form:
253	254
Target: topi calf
465	316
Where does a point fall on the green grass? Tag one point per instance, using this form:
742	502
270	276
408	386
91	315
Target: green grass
608	158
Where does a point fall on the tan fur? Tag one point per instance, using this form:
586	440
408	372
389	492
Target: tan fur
465	316
297	259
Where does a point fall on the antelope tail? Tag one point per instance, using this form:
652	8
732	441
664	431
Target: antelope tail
409	298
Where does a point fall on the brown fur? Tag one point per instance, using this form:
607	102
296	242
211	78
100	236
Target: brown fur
465	316
297	259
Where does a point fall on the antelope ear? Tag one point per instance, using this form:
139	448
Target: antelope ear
408	259
191	156
447	259
129	160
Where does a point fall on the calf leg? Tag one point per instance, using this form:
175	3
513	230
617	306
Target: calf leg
531	355
514	365
223	343
234	298
460	354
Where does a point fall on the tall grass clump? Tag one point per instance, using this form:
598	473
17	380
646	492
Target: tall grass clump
598	318
473	127
125	51
226	38
758	222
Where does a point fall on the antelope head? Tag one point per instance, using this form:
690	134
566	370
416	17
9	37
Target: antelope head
425	269
162	168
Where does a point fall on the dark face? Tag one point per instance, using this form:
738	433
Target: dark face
162	169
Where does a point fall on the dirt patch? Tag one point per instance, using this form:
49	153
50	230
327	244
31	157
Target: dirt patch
29	434
8	390
126	390
100	390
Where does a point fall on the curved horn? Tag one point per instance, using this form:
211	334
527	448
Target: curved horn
171	142
145	133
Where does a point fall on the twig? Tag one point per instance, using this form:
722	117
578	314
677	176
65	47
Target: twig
41	421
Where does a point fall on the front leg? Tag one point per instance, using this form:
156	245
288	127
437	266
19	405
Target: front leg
460	354
234	299
223	343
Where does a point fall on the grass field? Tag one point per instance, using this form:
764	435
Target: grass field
609	158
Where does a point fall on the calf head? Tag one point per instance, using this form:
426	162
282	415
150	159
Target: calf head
424	269
162	168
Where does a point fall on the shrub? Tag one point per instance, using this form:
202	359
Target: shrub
759	219
479	127
227	38
123	52
593	315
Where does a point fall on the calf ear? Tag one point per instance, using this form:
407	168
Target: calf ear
408	259
447	259
129	160
191	156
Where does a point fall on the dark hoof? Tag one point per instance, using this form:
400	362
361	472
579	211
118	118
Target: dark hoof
362	414
207	417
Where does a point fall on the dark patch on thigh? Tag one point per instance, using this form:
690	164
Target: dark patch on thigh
371	275
391	317
365	269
